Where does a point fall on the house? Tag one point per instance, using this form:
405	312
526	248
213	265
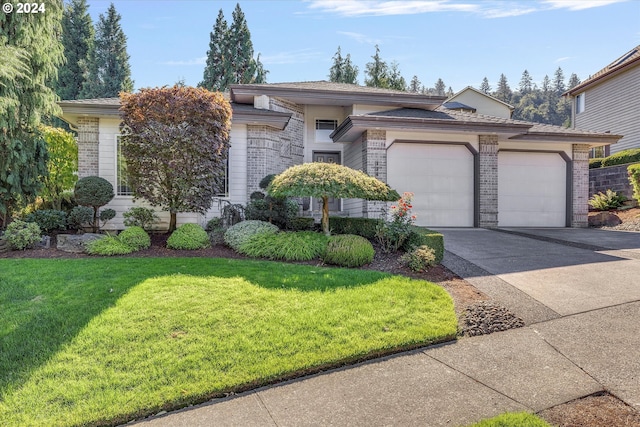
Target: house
481	103
609	101
466	169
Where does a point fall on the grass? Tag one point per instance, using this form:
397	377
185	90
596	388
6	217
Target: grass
513	419
103	341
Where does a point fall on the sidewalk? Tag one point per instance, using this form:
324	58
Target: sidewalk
558	357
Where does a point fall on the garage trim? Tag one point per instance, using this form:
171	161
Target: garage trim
568	180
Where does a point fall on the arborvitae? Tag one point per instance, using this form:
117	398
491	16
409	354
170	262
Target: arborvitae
377	72
215	77
77	39
484	87
526	83
30	54
109	71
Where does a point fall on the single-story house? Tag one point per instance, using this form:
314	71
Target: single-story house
465	169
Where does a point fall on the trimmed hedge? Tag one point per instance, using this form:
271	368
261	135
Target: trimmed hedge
301	223
595	163
631	155
365	227
420	236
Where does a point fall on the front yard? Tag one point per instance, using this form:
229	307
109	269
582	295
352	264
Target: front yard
107	340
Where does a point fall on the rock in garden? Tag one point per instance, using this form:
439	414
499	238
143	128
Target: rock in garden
604	219
75	242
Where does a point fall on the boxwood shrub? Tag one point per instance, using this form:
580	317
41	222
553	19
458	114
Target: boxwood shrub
348	250
188	236
365	227
135	237
287	246
239	233
420	236
22	235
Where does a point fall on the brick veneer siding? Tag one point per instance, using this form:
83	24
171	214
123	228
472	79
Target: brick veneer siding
488	180
269	150
88	137
580	186
374	163
615	178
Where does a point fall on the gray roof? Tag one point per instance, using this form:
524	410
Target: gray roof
455	105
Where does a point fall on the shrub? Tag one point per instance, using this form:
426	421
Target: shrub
107	245
188	236
80	216
634	179
140	217
595	163
348	250
107	215
301	223
95	192
278	211
626	156
392	233
419	236
22	235
48	220
288	246
135	237
365	227
213	224
236	235
420	258
606	201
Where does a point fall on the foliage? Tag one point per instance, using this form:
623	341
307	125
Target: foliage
109	72
324	180
215	229
348	250
159	123
22	235
213	224
95	192
232	213
276	210
106	215
301	223
287	246
138	216
241	232
230	56
419	236
595	163
376	72
80	327
48	220
343	70
29	57
513	419
80	216
62	164
606	201
365	227
394	230
135	237
420	258
77	39
107	245
188	236
631	155
264	182
634	179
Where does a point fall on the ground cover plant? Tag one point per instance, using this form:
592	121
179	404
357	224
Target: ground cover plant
513	419
287	246
101	341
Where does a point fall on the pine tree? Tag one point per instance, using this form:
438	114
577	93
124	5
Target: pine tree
261	73
546	86
526	83
484	87
215	77
440	88
396	81
573	81
243	66
30	54
558	82
503	92
377	72
109	71
77	39
415	85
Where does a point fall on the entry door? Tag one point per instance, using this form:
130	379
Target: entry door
334	204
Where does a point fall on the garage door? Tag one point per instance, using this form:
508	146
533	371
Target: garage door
440	176
532	189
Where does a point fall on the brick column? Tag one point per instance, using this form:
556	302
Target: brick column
580	186
88	138
374	163
488	185
263	155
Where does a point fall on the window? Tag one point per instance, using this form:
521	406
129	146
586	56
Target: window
580	103
225	181
324	128
122	180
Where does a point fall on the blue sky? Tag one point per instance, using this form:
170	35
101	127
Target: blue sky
459	41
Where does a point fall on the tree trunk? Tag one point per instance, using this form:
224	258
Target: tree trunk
325	215
95	226
172	222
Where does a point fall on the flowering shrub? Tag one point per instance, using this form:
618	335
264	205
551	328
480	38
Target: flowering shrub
420	258
392	232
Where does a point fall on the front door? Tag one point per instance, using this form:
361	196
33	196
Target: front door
334	204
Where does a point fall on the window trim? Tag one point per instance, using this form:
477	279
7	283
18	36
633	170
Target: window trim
580	103
325	121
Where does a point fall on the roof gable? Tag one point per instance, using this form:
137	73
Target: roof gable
623	63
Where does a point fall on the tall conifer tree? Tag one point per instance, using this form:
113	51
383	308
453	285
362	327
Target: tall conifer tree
415	85
243	66
343	70
215	77
77	39
526	83
503	92
485	87
440	88
377	72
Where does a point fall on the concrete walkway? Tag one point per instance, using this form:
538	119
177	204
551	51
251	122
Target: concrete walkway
582	309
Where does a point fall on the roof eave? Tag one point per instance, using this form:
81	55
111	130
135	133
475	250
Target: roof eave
275	120
595	140
601	78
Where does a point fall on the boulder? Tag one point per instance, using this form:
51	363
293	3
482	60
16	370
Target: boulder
75	242
604	219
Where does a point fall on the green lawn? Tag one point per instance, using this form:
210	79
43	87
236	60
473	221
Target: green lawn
513	419
106	340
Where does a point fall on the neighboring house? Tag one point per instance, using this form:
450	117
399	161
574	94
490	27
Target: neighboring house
472	100
466	169
609	101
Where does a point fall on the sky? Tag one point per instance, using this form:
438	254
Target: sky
459	41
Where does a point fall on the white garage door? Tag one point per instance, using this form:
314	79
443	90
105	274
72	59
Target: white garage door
440	176
532	189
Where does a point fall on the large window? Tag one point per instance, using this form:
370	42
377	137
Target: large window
580	103
324	128
122	180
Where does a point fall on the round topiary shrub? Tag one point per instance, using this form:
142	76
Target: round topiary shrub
238	234
188	236
107	245
95	192
22	235
80	216
135	237
288	246
348	250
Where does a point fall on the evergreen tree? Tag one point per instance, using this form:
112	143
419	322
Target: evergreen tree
558	82
350	71
396	81
440	88
215	77
30	54
573	81
503	92
77	39
546	86
377	72
526	83
484	87
109	71
415	85
243	66
343	70
450	92
261	73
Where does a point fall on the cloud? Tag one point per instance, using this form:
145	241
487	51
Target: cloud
579	4
197	61
299	56
564	58
360	38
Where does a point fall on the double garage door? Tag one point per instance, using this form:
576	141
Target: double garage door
531	186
